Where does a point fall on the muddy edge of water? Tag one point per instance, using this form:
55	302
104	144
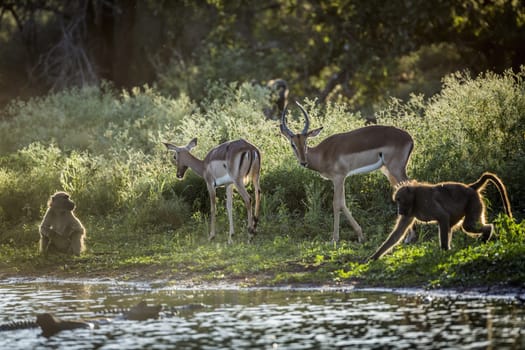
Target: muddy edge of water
491	292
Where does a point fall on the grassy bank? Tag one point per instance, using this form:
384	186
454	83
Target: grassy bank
143	223
187	257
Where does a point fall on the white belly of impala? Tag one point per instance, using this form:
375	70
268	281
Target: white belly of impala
368	168
223	180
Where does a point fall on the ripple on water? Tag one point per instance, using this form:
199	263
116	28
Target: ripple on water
246	319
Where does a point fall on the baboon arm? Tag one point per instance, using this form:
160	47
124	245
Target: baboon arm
397	235
45	226
46	230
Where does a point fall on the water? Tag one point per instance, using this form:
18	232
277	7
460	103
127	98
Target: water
263	318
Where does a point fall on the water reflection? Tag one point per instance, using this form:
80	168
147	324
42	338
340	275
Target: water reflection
263	319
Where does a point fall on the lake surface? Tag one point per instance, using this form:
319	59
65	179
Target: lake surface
262	318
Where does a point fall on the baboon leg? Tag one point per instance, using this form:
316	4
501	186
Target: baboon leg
474	221
44	244
229	209
404	223
486	232
411	236
77	243
396	176
445	233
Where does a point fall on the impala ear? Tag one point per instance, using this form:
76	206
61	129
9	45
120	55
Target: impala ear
192	144
314	133
170	146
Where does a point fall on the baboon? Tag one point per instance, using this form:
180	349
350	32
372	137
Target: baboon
278	97
229	164
448	203
60	230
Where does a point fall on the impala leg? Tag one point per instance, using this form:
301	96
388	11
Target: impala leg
339	204
213	194
229	208
247	202
355	225
257	194
392	177
337	212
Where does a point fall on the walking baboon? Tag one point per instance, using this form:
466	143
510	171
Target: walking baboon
447	203
61	230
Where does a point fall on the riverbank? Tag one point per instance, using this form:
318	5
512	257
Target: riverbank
493	268
141	284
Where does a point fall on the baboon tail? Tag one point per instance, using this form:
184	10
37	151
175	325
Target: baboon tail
487	176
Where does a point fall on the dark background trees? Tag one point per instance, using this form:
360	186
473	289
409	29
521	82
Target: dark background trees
358	51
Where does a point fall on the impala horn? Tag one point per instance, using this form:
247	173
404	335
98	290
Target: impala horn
284	127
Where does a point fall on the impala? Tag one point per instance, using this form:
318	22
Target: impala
229	164
355	152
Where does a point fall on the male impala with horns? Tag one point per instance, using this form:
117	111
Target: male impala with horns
355	152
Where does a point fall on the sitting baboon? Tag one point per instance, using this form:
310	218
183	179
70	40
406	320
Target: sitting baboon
60	230
447	203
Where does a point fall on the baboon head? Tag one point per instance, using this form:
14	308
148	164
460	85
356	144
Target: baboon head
404	198
61	201
180	156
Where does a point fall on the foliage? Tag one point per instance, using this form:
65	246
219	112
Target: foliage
139	217
349	50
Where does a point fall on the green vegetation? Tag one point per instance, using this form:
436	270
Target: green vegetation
144	223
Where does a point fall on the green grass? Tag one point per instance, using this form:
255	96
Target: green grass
186	256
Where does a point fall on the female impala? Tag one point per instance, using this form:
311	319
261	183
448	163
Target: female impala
355	152
230	163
